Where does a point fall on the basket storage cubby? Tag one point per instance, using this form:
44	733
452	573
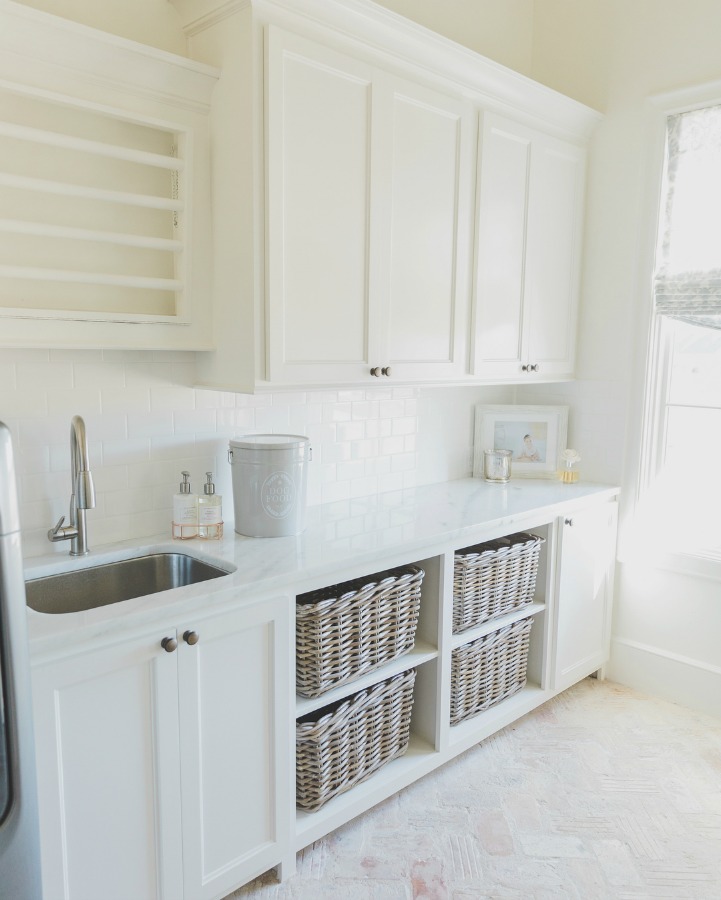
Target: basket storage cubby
488	670
494	578
348	629
341	745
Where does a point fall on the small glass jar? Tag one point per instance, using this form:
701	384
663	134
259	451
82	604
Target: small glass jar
568	467
497	466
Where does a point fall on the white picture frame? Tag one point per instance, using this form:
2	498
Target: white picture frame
536	436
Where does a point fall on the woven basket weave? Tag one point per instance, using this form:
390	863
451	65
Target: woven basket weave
341	745
489	669
495	578
346	630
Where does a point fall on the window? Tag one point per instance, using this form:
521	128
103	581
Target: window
681	507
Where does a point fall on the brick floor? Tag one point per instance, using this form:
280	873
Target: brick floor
600	793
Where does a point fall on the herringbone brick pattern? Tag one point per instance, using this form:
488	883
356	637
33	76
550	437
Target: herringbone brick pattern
600	793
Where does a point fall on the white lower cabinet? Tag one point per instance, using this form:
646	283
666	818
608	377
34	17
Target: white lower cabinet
585	593
171	775
158	768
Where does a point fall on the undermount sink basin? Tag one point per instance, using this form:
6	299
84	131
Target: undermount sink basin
113	582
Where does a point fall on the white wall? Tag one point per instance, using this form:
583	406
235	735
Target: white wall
499	29
613	54
153	22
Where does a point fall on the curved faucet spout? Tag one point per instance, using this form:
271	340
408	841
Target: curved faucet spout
83	486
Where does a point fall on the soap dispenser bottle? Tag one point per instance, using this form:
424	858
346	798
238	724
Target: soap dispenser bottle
210	511
185	510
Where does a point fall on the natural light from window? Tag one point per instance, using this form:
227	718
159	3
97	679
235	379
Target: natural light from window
680	509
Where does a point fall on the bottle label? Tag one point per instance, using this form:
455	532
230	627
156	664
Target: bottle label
185	512
277	495
209	514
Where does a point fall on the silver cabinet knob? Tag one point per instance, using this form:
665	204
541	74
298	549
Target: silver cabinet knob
191	637
376	371
568	521
533	368
386	370
169	644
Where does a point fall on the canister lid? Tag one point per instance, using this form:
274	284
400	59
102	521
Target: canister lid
269	442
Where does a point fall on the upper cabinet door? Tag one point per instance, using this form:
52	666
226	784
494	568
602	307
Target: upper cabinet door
370	183
428	142
319	149
530	204
553	254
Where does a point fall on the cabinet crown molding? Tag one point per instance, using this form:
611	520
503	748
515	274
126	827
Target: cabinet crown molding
379	31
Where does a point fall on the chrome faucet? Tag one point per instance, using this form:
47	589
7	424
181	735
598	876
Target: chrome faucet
83	493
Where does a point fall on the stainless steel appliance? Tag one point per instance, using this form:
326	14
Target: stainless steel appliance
19	835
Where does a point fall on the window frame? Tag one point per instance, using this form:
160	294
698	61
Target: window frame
659	344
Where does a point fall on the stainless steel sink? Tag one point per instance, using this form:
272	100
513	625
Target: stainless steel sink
117	581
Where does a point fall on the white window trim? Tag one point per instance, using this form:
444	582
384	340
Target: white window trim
654	378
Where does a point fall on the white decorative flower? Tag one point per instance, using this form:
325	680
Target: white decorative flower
571	456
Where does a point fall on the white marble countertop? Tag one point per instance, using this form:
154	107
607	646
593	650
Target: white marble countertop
342	540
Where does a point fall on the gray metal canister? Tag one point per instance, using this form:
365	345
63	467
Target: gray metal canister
270	476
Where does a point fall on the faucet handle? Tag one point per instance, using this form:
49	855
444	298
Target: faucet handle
54	531
61	534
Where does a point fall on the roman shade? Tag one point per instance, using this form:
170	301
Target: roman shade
687	281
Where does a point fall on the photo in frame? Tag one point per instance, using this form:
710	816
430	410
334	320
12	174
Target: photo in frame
535	435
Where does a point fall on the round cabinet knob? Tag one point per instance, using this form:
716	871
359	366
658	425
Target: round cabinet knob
191	637
386	370
568	521
525	368
376	371
533	368
169	644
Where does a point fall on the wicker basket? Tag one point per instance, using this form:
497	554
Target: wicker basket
493	579
346	630
489	669
341	745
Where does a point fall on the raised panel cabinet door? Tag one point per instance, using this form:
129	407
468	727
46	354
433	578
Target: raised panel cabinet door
505	150
109	773
553	254
319	145
235	747
427	172
528	248
585	593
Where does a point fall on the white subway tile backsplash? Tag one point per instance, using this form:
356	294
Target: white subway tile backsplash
83	400
126	400
23	403
146	422
38	375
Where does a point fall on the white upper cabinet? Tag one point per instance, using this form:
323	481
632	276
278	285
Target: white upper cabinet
425	232
104	189
530	208
354	243
368	217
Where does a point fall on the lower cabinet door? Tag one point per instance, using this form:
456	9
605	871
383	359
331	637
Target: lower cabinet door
106	730
585	593
235	746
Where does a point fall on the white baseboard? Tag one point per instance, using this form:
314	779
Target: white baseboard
680	679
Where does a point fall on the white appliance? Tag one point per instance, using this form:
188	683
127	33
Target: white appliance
19	835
